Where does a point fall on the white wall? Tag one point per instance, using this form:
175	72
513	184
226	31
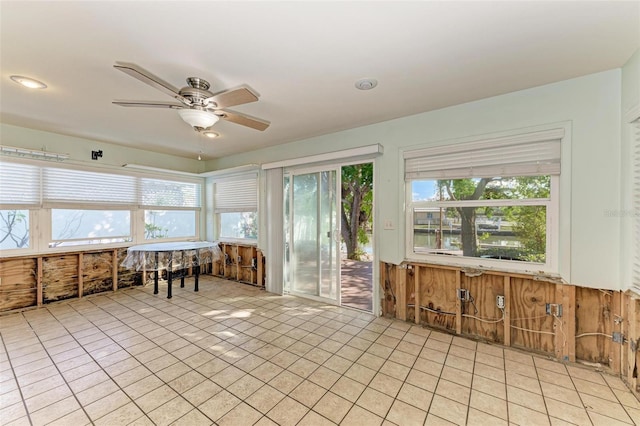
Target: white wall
591	105
630	110
79	150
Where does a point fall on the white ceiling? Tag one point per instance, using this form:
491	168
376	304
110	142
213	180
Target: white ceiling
303	58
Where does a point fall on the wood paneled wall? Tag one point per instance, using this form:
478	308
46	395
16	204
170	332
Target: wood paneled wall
595	326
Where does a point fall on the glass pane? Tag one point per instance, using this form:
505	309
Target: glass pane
328	246
508	233
304	254
239	225
79	227
14	229
169	224
494	188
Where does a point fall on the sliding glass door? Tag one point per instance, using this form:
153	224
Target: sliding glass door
312	249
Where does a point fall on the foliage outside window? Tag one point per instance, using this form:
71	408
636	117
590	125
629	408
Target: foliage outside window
14	229
169	224
503	218
242	225
73	227
356	208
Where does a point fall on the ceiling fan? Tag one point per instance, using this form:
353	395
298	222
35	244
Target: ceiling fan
197	106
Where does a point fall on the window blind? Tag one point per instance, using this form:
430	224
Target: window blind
19	184
167	193
77	186
635	276
530	154
236	195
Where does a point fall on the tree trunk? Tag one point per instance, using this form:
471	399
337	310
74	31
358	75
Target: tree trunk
468	234
351	225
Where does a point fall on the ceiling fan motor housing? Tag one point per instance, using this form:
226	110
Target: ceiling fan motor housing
197	91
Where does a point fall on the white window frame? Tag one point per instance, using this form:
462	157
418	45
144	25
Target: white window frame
248	204
552	204
634	284
40	226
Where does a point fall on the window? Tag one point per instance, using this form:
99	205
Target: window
489	203
14	229
236	206
76	207
169	224
177	205
73	227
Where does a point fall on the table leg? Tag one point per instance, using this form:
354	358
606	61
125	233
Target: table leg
182	272
197	269
155	276
169	268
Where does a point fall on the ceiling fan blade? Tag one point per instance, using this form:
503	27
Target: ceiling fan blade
149	104
152	80
244	120
239	96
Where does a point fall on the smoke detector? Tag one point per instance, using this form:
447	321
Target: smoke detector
366	83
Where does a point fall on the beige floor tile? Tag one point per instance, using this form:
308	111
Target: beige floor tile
601	420
524	416
265	398
141	387
170	411
449	410
324	377
348	388
567	412
386	384
460	377
49	397
245	386
375	402
219	405
314	419
490	349
523	382
303	367
242	414
453	391
124	415
55	411
461	352
308	393
210	368
605	407
405	414
481	418
594	389
554	378
525	398
287	412
371	361
286	381
395	370
559	393
489	404
433	420
193	418
13	412
415	396
76	418
404	358
333	407
380	350
585	374
360	373
422	380
488	386
228	376
358	416
152	400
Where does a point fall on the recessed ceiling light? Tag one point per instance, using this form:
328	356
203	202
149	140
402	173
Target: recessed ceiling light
366	83
28	82
211	134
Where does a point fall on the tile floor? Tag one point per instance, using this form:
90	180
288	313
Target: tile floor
235	355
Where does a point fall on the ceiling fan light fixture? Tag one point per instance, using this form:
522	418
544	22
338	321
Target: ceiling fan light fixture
198	117
28	82
210	134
